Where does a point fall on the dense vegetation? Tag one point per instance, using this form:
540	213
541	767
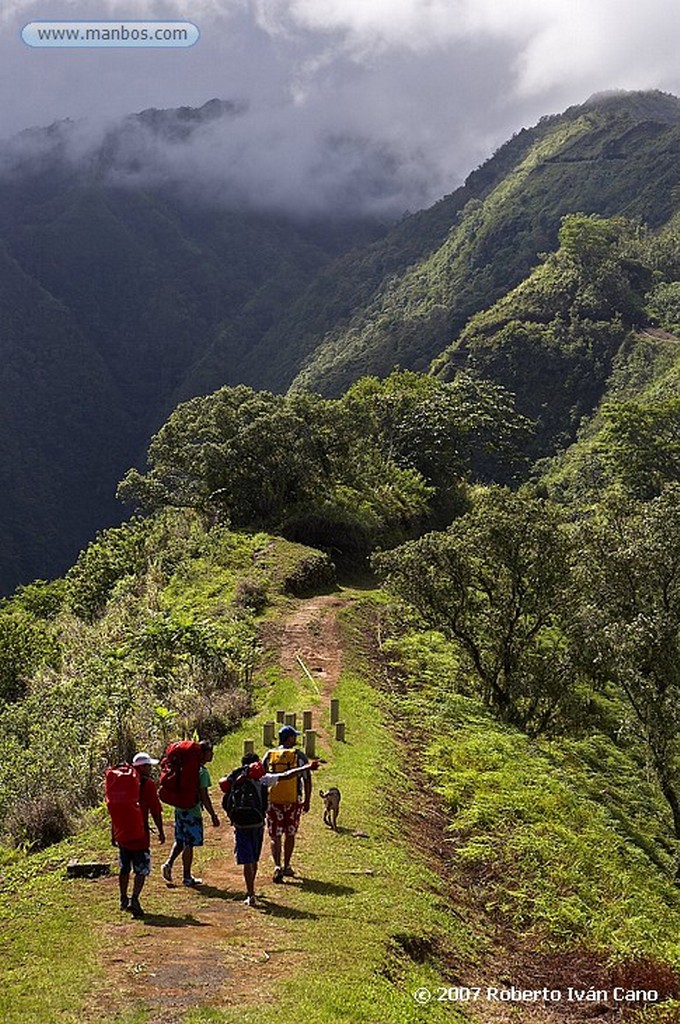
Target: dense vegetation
615	155
131	299
383	462
554	338
150	634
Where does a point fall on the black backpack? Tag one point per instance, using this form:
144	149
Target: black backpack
246	801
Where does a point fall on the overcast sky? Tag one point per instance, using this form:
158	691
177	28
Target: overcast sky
436	85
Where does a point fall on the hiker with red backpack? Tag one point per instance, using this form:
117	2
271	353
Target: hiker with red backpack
245	802
184	784
131	797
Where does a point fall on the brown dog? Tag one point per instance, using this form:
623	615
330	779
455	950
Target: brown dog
331	806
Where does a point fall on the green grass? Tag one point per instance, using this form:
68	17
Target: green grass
347	925
552	841
362	893
566	840
49	939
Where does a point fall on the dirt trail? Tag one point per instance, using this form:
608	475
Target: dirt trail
659	334
312	633
204	947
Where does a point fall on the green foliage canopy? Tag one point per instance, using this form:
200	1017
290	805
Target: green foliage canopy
368	468
494	583
628	580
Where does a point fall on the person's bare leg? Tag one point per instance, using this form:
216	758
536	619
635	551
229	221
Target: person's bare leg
187	860
288	847
123	882
177	848
276	851
249	872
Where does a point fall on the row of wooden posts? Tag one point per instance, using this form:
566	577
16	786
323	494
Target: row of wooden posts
269	729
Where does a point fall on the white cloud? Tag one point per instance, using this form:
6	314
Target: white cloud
436	83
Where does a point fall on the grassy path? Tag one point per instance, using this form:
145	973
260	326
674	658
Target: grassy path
345	941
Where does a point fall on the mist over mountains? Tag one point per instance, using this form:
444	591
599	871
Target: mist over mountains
236	154
146	262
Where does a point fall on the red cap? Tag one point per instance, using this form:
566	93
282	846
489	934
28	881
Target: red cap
256	770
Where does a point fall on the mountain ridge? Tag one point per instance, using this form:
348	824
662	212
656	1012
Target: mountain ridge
165	299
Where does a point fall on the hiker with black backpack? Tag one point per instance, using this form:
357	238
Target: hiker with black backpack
245	802
130	798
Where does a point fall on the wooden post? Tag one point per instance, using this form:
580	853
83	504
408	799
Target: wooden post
291	719
249	746
335	711
340	732
280	717
310	743
306	721
268	733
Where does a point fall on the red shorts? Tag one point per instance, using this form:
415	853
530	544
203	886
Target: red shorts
283	819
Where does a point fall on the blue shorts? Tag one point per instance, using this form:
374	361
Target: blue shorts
138	861
248	844
188	828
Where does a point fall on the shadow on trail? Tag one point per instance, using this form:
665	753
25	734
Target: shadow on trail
277	910
341	830
213	893
166	921
323	888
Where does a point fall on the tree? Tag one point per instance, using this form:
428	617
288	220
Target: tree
494	583
373	467
627	578
640	444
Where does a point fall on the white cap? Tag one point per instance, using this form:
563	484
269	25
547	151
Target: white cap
143	758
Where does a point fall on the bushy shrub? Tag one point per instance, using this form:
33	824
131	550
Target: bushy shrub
309	575
38	821
251	595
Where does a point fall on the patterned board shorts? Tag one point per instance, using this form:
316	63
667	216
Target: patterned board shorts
188	828
138	861
283	819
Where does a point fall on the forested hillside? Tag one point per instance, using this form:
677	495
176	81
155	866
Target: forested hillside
123	293
554	340
612	155
113	287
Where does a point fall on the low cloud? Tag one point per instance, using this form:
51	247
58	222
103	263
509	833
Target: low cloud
361	105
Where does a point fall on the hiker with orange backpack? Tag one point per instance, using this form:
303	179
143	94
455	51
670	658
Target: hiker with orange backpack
131	797
184	784
288	799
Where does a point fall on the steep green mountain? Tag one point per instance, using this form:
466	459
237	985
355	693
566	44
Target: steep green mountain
123	295
616	154
633	437
112	288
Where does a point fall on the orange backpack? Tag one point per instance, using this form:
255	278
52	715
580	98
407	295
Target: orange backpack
282	759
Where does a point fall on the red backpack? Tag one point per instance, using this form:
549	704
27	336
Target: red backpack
122	789
180	766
